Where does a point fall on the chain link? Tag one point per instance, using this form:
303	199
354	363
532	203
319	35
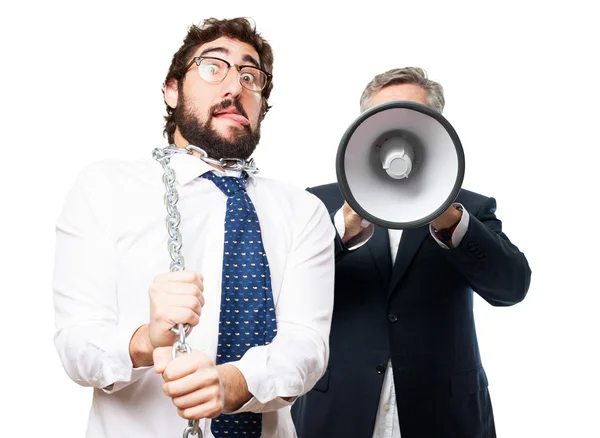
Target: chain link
173	220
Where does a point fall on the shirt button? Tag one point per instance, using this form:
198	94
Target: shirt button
380	369
392	317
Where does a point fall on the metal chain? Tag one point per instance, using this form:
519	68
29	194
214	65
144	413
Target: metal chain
163	156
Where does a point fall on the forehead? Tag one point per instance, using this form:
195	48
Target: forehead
229	49
412	92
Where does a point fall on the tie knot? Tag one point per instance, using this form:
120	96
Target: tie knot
229	185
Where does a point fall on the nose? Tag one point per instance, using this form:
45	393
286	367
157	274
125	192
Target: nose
231	86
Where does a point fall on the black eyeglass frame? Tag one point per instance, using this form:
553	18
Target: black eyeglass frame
198	59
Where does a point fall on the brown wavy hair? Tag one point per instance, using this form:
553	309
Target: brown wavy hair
211	29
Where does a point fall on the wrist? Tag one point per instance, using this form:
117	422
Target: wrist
449	219
347	237
140	348
354	230
235	388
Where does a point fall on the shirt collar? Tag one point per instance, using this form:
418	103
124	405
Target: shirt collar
188	167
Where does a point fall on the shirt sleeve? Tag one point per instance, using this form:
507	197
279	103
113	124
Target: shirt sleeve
91	343
456	233
297	357
357	241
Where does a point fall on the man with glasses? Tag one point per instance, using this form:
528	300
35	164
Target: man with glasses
239	327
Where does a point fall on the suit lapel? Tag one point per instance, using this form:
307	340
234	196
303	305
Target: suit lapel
379	247
410	242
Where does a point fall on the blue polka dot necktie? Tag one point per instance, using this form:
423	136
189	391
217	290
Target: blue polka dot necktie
247	317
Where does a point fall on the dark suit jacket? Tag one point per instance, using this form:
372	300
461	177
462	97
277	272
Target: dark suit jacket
419	313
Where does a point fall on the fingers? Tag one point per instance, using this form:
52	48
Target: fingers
189	381
172	294
212	408
186	364
176	288
190	277
164	301
353	223
195	398
350	216
163	319
183	365
175	298
192	382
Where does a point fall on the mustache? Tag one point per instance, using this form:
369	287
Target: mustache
226	104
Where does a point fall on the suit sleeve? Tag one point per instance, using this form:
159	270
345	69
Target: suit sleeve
495	268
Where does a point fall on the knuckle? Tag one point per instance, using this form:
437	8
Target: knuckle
189	315
192	413
208	362
166	387
215	392
215	408
179	402
192	290
192	277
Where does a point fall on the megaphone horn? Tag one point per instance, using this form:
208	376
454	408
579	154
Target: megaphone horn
400	165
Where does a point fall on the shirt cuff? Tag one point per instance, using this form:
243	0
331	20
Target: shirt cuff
263	392
357	241
254	405
122	373
459	231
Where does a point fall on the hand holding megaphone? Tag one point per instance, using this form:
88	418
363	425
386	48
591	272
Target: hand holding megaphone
353	223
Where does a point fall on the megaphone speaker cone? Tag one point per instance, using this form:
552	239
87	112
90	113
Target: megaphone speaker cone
400	165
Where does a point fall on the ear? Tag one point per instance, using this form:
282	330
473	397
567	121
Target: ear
264	108
172	93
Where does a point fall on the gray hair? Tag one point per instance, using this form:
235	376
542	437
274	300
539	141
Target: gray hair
406	75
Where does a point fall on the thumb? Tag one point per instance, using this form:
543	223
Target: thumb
162	357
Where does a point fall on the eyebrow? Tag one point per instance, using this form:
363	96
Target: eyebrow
245	58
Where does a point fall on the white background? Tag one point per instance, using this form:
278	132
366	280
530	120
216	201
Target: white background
81	82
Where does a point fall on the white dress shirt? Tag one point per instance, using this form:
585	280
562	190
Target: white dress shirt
112	241
387	424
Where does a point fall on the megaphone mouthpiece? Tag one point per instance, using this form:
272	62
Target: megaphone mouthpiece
397	157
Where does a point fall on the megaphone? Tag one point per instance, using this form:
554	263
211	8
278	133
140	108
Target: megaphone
400	165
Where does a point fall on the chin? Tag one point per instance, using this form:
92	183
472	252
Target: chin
229	137
229	133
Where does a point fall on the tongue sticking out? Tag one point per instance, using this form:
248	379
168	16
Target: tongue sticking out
235	117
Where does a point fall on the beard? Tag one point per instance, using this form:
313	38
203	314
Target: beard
201	134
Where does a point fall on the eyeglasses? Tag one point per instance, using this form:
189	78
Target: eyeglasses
214	70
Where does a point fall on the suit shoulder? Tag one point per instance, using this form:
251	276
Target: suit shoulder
329	194
473	195
325	189
474	201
